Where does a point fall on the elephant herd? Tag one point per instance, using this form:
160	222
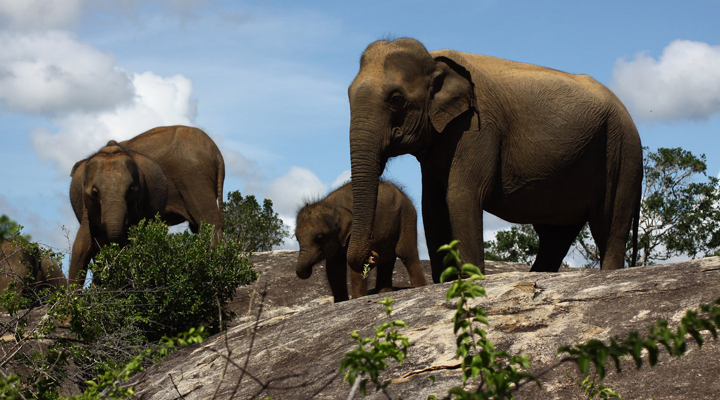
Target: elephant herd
529	144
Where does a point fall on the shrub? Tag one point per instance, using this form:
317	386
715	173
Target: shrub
171	283
157	285
256	228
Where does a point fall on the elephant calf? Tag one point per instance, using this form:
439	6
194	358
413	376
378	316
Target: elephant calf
20	264
323	231
175	171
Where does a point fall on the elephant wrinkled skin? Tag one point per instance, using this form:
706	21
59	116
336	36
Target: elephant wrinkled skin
528	144
28	267
176	171
323	230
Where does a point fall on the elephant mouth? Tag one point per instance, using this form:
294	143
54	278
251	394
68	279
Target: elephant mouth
304	273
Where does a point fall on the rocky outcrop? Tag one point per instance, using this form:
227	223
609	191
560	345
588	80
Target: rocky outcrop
288	343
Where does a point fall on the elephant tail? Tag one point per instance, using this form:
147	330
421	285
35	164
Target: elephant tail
636	223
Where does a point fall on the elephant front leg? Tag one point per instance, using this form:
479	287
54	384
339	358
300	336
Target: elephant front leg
436	221
82	252
358	284
336	269
384	271
466	220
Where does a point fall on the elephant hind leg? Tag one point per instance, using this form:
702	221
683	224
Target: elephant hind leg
555	241
407	250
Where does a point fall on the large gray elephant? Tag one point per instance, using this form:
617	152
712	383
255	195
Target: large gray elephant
176	171
323	231
528	144
26	265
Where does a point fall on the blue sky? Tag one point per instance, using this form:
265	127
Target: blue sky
268	81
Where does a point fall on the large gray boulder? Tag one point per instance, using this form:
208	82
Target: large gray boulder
288	342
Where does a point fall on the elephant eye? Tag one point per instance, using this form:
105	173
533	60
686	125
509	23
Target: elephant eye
319	238
95	192
397	102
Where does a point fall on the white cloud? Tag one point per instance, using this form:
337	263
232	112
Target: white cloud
684	83
159	101
290	190
343	178
51	73
39	14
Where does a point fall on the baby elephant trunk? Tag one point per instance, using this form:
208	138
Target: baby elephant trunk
305	264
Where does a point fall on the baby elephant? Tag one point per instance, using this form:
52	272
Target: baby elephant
323	231
18	264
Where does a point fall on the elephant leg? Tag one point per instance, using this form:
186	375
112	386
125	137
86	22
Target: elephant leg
358	285
82	252
407	250
383	283
611	226
437	226
555	241
336	269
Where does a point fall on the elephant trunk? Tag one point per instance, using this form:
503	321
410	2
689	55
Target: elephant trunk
305	263
115	221
367	164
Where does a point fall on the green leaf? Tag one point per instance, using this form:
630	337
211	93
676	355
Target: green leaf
448	273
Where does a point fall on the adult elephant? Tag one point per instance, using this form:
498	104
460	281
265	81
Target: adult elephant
529	144
176	171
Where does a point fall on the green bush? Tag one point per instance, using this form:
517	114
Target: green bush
255	228
170	283
157	285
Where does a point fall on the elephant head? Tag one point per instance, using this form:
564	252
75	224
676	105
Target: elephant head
322	232
401	97
119	187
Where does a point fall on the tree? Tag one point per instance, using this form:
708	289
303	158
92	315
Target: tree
518	244
10	229
679	214
256	228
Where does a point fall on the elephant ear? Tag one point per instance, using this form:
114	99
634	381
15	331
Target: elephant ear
452	92
154	185
76	188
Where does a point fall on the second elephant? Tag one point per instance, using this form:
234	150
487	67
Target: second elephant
175	171
323	231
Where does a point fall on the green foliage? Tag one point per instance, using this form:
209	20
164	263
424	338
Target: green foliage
367	364
9	387
518	244
593	389
494	371
256	228
10	229
597	353
169	283
680	213
108	384
157	285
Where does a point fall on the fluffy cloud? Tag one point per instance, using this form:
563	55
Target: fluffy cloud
39	14
51	73
290	190
684	83
158	101
343	178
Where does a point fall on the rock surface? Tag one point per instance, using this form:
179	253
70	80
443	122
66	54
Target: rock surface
288	343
